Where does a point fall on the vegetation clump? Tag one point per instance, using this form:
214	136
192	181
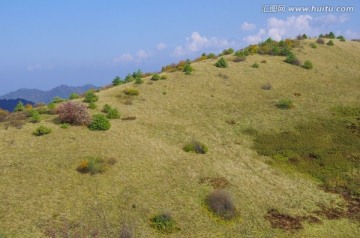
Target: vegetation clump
42	130
285	104
19	107
307	65
196	146
131	92
228	51
292	59
330	43
188	69
92	165
113	113
117	81
255	65
163	222
92	105
155	77
221	63
320	41
99	122
90	96
221	203
34	116
73	113
74	96
313	45
106	108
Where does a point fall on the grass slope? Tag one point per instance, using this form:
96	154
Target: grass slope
42	193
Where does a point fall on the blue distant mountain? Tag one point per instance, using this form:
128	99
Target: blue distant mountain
40	96
10	104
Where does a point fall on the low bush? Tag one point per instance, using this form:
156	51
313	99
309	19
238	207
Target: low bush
51	108
117	81
188	69
263	62
131	92
320	41
228	51
113	114
330	43
139	80
99	122
255	65
285	104
57	100
42	130
196	146
74	96
163	222
155	77
341	38
164	76
92	105
73	113
307	65
266	86
90	96
221	63
211	56
239	59
313	45
106	108
92	165
292	59
221	203
64	125
19	107
34	116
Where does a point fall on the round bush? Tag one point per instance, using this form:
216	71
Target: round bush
113	114
220	202
222	63
307	65
73	113
131	92
155	77
285	104
196	146
99	123
163	222
42	130
90	96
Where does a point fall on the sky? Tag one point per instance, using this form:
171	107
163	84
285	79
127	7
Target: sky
47	43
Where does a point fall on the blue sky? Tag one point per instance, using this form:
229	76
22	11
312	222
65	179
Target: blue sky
46	43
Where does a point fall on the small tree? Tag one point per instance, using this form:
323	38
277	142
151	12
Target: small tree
221	63
19	107
188	68
117	81
99	123
307	65
90	96
155	77
330	43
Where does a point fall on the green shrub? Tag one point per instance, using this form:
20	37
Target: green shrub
196	146
163	222
92	105
106	108
113	114
99	123
341	38
41	130
188	69
64	125
307	65
313	45
131	92
239	59
92	165
292	59
263	62
164	76
155	77
34	116
139	80
129	78
331	43
117	81
90	96
74	96
221	63
211	56
228	51
220	202
51	108
57	100
285	104
255	65
19	107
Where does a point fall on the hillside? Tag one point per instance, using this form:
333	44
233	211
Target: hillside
40	96
43	195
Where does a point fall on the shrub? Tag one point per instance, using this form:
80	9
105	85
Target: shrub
228	51
51	108
129	78
90	96
188	68
285	104
139	80
34	116
73	113
331	43
292	59
211	56
163	222
341	38
3	115
113	114
263	62
106	108
19	107
92	165
65	125
220	202
117	81
99	123
266	86
195	146
155	77
131	92
57	100
164	76
41	130
221	63
92	105
74	96
320	41
307	65
313	45
255	65
239	59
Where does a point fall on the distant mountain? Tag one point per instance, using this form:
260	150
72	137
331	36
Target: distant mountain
9	104
37	96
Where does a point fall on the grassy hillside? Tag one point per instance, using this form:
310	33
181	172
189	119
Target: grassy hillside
42	193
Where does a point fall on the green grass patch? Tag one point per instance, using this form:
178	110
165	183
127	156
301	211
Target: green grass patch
327	149
163	222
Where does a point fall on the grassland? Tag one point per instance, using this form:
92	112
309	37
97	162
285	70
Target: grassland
42	193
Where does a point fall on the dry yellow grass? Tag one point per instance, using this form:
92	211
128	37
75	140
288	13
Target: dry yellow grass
39	181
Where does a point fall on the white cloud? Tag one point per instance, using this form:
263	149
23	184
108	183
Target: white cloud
255	39
352	34
331	19
196	43
248	26
161	46
124	58
142	54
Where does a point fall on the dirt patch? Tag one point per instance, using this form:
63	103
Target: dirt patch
128	118
231	122
215	182
283	221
